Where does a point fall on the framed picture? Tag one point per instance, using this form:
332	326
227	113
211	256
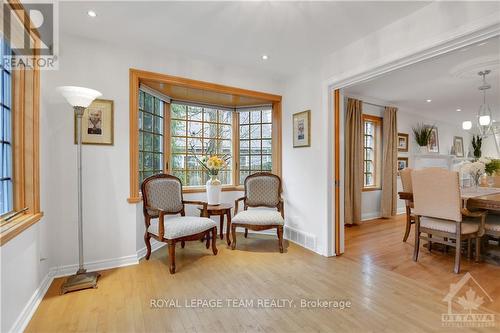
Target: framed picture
402	163
302	129
97	123
433	145
403	142
458	145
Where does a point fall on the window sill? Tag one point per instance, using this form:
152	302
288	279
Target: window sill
194	189
17	226
369	189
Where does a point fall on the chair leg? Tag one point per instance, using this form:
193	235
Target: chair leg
408	223
214	241
171	256
458	248
478	249
183	243
246	232
147	240
430	242
469	248
280	237
207	236
233	233
417	239
221	220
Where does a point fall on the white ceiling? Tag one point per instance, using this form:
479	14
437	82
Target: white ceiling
293	34
450	81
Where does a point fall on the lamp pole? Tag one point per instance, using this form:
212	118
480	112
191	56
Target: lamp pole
80	98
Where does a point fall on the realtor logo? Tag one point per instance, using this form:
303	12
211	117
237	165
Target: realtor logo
38	38
469	295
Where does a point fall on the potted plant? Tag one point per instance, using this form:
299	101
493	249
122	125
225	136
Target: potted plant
477	142
422	135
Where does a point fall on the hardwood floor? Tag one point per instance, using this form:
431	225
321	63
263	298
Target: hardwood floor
379	243
381	300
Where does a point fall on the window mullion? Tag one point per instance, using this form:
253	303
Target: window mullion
235	165
167	138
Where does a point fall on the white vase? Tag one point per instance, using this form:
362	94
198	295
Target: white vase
214	189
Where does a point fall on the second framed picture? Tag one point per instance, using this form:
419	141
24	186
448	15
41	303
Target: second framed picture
402	163
458	145
403	142
302	129
433	145
97	123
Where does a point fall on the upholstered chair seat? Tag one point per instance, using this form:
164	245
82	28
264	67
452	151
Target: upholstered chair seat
181	226
258	217
468	225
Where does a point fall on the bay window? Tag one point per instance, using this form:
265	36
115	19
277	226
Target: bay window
175	122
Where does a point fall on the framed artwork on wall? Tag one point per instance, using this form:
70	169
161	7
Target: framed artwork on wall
302	129
402	163
403	142
458	145
433	145
97	123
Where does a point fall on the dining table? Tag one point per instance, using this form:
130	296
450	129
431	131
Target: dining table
477	198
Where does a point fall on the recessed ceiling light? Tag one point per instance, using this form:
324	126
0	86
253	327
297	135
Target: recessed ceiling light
429	100
458	110
91	13
265	57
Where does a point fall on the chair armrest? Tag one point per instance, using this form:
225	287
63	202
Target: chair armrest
161	219
198	203
477	214
236	204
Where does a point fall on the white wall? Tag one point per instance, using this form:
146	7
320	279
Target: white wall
426	28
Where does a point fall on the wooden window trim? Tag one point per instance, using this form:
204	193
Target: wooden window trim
136	76
376	138
25	141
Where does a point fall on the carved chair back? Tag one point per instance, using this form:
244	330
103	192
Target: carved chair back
161	191
263	189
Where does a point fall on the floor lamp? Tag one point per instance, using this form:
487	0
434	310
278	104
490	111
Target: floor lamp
79	98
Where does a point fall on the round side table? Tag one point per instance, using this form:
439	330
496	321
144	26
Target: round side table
221	210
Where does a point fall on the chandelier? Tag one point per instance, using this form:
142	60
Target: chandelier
485	124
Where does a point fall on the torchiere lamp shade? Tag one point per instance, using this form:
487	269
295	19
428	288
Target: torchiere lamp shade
79	96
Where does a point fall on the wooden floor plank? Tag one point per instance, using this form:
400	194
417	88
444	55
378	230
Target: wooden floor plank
381	300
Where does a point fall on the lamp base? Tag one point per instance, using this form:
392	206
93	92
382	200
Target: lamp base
81	280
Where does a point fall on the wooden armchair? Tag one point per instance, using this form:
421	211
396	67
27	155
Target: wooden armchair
262	189
439	213
162	195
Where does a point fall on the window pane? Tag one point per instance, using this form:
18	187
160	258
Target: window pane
266	146
266	116
225	117
158	107
194	178
210	115
148	141
244	147
267	163
158	143
210	130
181	174
178	161
178	145
255	131
194	129
225	131
141	100
244	162
158	128
255	117
178	111
147	124
178	127
255	147
244	117
194	113
255	162
266	131
244	132
148	103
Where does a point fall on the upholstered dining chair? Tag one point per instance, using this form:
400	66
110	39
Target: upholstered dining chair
405	175
439	213
165	218
262	189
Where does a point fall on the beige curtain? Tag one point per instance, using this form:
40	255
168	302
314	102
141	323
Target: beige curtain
389	162
353	161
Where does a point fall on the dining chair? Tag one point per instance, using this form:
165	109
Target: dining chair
439	213
163	203
262	189
405	175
